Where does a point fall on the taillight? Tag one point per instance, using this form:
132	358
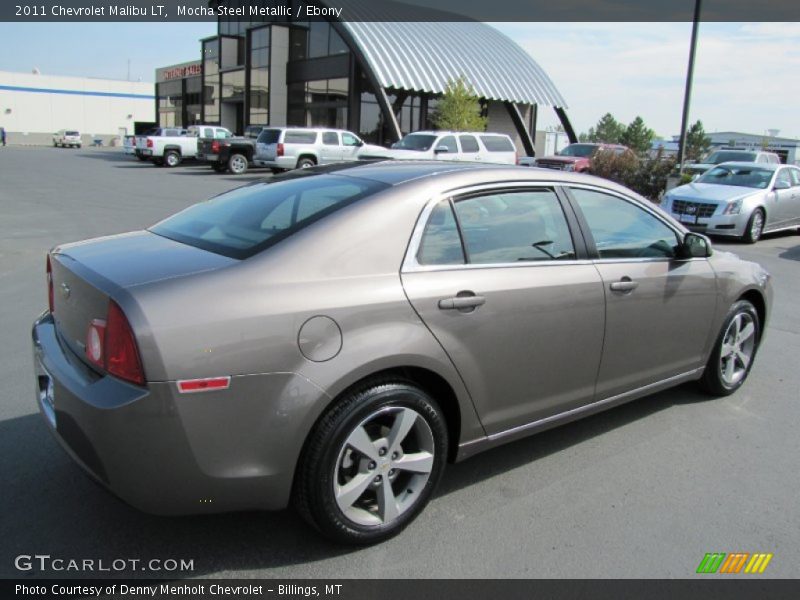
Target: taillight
111	345
50	294
149	143
215	147
279	151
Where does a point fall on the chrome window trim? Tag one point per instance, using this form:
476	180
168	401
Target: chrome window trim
412	265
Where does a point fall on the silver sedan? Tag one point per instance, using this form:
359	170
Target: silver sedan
744	200
331	338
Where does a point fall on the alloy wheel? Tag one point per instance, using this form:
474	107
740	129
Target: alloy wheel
383	466
738	346
757	225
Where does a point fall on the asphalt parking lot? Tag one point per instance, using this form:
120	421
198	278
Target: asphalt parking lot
644	490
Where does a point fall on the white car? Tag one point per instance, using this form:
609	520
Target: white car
67	138
467	146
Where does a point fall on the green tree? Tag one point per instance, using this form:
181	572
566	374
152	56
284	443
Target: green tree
608	130
638	137
697	142
459	108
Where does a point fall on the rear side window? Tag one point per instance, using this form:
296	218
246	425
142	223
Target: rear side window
330	138
269	136
497	143
247	220
469	143
300	137
513	227
441	243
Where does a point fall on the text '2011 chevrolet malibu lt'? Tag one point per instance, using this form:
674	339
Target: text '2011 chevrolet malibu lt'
331	338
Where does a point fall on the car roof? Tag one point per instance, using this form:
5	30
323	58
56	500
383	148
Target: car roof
766	166
449	132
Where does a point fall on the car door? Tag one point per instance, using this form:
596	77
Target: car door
659	309
498	279
782	211
350	146
331	148
470	150
794	205
446	148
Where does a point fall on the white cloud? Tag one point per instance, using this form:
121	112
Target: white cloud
745	74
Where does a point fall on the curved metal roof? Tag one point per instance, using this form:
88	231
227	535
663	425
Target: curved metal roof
422	57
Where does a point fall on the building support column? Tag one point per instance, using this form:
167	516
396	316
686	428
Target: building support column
562	116
519	123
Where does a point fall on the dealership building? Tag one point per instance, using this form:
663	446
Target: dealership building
34	106
378	79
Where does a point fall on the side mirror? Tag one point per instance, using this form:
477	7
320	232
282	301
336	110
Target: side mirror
694	246
441	150
782	185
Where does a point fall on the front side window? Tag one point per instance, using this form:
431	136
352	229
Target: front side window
448	142
415	141
349	139
795	174
247	220
623	230
785	177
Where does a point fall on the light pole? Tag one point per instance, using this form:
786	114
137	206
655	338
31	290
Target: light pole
687	95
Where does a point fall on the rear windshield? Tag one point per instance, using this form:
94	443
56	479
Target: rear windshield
497	143
300	137
247	220
269	136
72	133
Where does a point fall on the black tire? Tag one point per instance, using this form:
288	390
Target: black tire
158	162
219	168
713	381
319	463
306	162
141	157
55	144
171	158
753	232
277	171
237	164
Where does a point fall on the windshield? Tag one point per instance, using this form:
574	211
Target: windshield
416	141
752	177
722	156
249	219
579	150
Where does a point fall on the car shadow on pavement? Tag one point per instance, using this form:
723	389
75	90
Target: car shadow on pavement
791	253
50	507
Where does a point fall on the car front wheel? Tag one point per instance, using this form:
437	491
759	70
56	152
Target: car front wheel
371	463
755	227
734	350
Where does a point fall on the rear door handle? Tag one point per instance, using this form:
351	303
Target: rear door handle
462	302
626	284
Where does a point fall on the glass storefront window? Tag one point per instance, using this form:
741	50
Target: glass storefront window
259	76
211	91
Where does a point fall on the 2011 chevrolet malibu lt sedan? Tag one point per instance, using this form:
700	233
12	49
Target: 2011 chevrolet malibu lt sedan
331	338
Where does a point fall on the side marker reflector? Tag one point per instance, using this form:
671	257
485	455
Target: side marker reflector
190	386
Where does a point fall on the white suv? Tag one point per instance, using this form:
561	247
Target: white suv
67	138
283	148
467	146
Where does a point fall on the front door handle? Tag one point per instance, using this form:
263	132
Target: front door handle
626	284
465	301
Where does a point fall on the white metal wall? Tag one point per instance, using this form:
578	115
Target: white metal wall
33	107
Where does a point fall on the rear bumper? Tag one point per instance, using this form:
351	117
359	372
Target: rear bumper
281	162
169	453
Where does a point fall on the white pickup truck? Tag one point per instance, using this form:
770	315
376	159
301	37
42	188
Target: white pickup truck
170	146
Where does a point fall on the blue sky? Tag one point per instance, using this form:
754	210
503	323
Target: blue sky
745	80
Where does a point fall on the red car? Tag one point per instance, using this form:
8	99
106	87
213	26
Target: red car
577	157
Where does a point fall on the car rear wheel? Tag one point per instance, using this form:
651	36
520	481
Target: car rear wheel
734	351
237	164
371	464
755	227
172	159
306	163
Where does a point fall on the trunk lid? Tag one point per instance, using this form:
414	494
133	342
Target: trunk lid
87	274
